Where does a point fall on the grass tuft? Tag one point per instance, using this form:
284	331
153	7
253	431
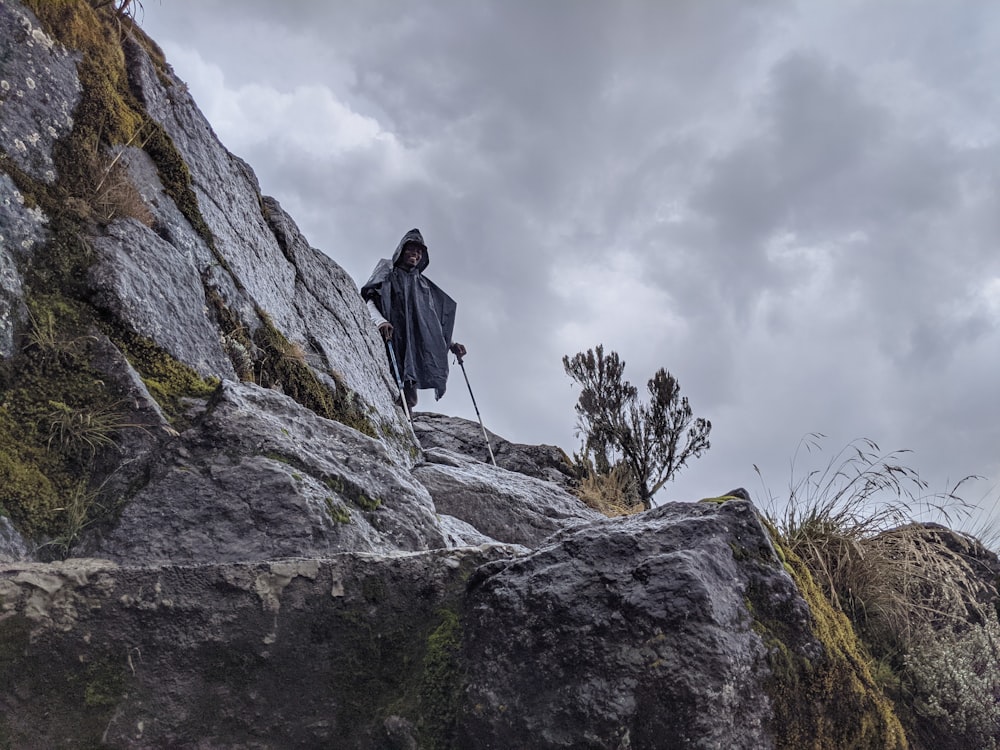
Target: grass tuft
613	494
850	522
922	597
87	430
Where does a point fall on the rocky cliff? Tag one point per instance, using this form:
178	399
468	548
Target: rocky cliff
217	530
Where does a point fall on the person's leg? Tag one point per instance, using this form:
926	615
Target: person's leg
410	390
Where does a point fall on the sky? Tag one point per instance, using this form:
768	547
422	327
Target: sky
793	207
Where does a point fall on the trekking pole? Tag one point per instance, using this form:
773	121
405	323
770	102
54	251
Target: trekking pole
476	407
399	381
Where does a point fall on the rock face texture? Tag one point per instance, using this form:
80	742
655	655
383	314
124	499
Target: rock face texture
39	91
615	632
217	530
259	477
457	435
507	506
348	651
618	633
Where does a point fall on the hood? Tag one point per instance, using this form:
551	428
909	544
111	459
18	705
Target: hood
412	236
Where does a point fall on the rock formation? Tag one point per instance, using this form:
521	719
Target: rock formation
217	530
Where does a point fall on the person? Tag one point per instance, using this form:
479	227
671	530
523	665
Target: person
414	317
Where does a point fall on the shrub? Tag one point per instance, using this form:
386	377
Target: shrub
953	681
654	439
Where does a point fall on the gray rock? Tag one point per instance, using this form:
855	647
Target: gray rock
627	633
354	651
258	476
332	318
39	89
500	504
22	229
623	633
458	533
262	263
144	280
13	547
464	436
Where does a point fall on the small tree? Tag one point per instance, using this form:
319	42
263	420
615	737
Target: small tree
653	439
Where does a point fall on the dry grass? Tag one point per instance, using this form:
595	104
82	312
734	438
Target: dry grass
913	582
923	598
106	191
47	339
851	524
983	523
117	197
112	194
612	494
295	352
124	8
78	511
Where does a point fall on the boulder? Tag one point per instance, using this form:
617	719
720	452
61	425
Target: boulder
503	505
630	632
257	477
463	436
646	631
352	651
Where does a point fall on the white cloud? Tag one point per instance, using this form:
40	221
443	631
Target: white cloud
612	303
307	118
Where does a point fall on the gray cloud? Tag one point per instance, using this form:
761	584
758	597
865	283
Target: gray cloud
791	206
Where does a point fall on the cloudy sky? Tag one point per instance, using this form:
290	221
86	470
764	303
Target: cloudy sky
794	207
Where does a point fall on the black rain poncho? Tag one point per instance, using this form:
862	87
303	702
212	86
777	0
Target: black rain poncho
422	317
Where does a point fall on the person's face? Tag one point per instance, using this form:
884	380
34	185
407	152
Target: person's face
411	255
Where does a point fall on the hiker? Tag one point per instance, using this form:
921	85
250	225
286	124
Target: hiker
414	317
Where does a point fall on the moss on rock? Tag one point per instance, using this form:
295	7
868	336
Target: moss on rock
169	381
831	701
282	364
440	687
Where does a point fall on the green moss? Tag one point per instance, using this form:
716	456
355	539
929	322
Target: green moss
366	503
440	688
719	500
56	418
33	500
337	512
269	359
169	381
282	365
176	179
353	493
104	685
109	112
831	702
